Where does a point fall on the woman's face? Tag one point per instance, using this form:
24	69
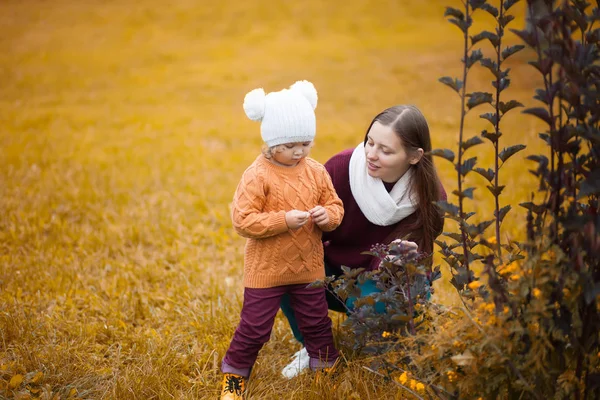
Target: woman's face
387	158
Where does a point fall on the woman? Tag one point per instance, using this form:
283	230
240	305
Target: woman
388	185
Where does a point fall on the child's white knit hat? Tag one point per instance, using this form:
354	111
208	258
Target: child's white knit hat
287	116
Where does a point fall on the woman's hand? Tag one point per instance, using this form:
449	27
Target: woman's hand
296	218
319	215
405	248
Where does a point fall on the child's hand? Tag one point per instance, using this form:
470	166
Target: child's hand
295	218
319	215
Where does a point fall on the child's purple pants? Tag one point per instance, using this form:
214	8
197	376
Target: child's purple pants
258	315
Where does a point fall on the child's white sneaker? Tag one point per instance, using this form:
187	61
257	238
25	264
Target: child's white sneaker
300	363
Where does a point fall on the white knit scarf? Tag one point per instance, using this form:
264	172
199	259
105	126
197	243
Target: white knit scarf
379	206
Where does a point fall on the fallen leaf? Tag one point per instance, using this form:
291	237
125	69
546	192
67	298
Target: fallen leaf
463	359
15	381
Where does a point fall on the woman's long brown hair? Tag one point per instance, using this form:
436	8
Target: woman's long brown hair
412	129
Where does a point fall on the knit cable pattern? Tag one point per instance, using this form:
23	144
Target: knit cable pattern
275	255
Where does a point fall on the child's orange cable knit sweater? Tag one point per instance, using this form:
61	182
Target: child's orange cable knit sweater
276	255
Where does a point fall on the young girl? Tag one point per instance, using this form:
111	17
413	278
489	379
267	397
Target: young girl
282	204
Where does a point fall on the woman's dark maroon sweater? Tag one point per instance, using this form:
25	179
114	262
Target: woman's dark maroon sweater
357	234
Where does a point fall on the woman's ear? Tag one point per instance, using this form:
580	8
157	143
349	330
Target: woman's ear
416	156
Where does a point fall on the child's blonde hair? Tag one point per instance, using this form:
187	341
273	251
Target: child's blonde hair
268	152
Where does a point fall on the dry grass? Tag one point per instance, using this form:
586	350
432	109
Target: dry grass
122	139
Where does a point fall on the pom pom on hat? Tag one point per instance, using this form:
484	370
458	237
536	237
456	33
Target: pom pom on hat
254	104
308	90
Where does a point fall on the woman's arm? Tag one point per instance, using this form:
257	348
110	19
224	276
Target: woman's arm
411	229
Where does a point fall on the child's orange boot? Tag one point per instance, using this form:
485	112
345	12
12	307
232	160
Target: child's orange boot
234	387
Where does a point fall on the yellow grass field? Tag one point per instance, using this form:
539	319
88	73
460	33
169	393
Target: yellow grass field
122	139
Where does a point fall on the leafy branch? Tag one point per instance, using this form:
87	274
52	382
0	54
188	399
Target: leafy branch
469	233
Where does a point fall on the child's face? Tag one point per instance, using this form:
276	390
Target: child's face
289	154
